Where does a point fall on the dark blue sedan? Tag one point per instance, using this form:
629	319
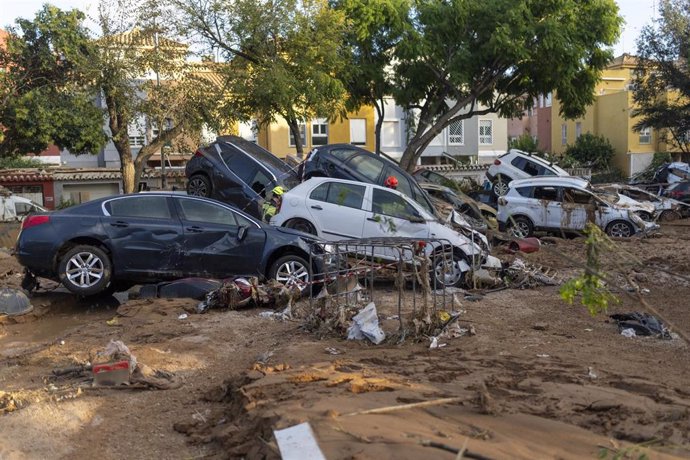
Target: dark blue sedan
113	243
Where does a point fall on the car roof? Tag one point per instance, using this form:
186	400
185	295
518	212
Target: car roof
315	181
550	180
536	158
360	151
432	186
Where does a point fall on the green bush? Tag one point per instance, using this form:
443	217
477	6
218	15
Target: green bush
525	143
591	151
19	162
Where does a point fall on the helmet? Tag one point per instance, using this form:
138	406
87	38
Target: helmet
278	190
391	182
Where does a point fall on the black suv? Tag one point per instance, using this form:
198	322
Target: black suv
237	171
345	161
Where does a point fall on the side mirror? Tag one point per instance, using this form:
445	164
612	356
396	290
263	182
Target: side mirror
242	232
416	219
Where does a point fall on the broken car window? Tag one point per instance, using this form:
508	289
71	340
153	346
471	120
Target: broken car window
572	195
546	193
155	207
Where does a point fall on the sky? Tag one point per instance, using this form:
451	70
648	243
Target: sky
637	13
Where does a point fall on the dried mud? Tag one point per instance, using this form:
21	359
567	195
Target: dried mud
540	379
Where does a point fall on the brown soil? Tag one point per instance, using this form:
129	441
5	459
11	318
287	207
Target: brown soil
540	379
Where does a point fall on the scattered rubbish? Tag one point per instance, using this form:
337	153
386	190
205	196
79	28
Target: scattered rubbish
62	342
590	373
267	314
486	279
524	275
434	343
641	324
280	315
333	351
645	291
630	332
473	298
298	443
365	324
525	245
192	288
9	403
13	302
393	317
183	316
543	356
589	329
111	374
113	322
242	292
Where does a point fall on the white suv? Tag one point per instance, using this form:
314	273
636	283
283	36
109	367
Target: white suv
338	209
517	164
564	204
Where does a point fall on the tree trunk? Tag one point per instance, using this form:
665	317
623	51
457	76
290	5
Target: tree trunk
294	129
379	123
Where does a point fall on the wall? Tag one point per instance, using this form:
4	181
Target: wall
615	125
90	190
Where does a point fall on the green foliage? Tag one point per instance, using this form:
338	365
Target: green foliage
285	57
46	93
65	203
591	150
663	51
374	28
590	286
526	143
458	59
612	175
15	162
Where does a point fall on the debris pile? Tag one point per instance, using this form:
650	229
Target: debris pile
243	292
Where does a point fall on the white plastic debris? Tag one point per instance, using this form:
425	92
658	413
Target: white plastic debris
365	324
629	332
543	355
298	443
590	373
434	343
183	316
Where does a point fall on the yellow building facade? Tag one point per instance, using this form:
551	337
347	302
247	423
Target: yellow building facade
610	116
357	129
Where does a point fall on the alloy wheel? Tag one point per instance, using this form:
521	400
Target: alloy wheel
84	269
448	271
197	187
620	230
292	273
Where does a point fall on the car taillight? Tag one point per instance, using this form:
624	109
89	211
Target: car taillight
497	162
32	221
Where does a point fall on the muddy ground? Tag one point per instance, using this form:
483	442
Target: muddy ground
539	379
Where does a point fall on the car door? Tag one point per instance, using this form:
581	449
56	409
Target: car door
212	243
391	215
145	235
336	210
546	203
577	208
232	183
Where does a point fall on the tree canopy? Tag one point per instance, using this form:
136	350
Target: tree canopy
662	83
459	58
285	58
46	95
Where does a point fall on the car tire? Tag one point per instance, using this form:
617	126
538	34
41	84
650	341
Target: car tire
85	270
520	227
292	269
500	185
669	216
439	279
620	229
199	185
302	226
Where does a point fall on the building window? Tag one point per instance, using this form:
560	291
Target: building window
456	133
390	134
547	100
302	134
136	141
578	130
319	131
486	132
358	131
564	134
646	135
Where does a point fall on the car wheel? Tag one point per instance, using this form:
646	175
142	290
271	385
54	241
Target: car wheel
199	185
447	270
669	216
85	270
291	270
520	227
500	187
620	229
301	225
